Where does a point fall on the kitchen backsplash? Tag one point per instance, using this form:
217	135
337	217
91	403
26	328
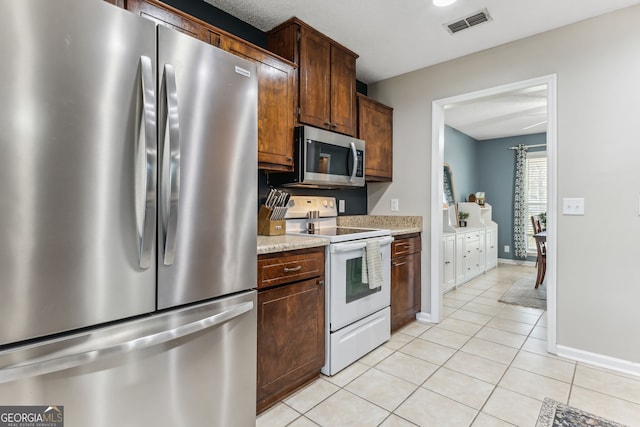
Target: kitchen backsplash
355	198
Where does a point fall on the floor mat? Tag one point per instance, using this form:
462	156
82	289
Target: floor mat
524	293
556	414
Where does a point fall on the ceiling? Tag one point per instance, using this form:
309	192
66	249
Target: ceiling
519	112
394	38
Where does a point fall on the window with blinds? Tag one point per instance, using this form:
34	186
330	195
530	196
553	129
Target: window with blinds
536	180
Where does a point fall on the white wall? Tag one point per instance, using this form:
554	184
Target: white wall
597	63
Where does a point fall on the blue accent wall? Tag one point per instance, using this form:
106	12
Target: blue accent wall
460	153
488	166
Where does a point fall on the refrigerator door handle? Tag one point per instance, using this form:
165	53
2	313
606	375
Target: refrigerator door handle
43	366
147	141
171	163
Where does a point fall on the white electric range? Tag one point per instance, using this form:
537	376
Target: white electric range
358	314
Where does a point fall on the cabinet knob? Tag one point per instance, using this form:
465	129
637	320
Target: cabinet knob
290	159
447	262
320	282
327	124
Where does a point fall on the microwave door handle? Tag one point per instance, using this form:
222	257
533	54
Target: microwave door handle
355	161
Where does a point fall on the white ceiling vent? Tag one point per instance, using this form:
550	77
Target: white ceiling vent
467	22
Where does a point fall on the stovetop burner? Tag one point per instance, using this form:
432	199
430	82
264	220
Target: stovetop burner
336	231
325	224
342	234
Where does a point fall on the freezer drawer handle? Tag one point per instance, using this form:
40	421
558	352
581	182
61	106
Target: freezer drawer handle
147	141
39	366
171	162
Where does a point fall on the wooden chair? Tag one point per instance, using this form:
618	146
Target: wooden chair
537	225
541	249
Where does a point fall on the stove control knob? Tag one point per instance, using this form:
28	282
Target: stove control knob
331	204
325	203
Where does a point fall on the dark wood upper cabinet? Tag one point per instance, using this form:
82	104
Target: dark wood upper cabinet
168	16
375	126
276	98
315	63
276	79
326	75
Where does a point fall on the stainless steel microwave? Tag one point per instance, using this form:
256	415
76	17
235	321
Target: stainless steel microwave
324	159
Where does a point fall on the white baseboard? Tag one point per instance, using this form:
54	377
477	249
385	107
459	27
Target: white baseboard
424	317
599	360
516	262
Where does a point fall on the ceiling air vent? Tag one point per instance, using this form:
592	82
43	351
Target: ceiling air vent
468	22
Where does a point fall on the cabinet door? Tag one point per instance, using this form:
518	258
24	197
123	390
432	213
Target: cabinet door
165	15
290	338
343	92
460	258
314	72
482	253
375	123
492	248
405	289
448	265
275	106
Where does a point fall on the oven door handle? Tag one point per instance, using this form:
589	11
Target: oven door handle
361	244
347	247
386	240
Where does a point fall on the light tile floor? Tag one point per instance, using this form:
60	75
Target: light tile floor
485	364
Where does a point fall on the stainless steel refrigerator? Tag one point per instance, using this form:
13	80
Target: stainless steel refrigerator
128	174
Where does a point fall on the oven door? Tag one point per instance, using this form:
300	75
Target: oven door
350	298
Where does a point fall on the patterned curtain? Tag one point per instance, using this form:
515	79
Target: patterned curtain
520	204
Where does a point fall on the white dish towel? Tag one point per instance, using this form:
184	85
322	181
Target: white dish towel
372	265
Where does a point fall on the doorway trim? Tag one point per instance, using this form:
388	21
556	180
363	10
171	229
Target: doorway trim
437	163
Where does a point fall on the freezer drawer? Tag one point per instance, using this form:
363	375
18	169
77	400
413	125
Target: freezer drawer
189	367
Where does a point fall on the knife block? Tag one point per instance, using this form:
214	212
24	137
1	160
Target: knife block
268	227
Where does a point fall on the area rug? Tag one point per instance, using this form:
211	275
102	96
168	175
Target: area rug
524	293
555	414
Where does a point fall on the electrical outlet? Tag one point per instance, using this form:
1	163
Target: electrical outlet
341	207
395	205
506	249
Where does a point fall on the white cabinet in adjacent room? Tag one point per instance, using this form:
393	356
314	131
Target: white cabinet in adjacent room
448	262
491	259
475	247
459	258
474	253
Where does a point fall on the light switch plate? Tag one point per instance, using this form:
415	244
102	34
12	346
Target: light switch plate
395	205
573	206
341	206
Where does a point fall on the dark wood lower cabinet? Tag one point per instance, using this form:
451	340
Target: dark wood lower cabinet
405	280
291	322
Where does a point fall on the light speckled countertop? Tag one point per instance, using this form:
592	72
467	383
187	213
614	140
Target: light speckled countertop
271	244
397	224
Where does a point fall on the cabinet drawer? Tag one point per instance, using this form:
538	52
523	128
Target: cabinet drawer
405	246
472	237
287	268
